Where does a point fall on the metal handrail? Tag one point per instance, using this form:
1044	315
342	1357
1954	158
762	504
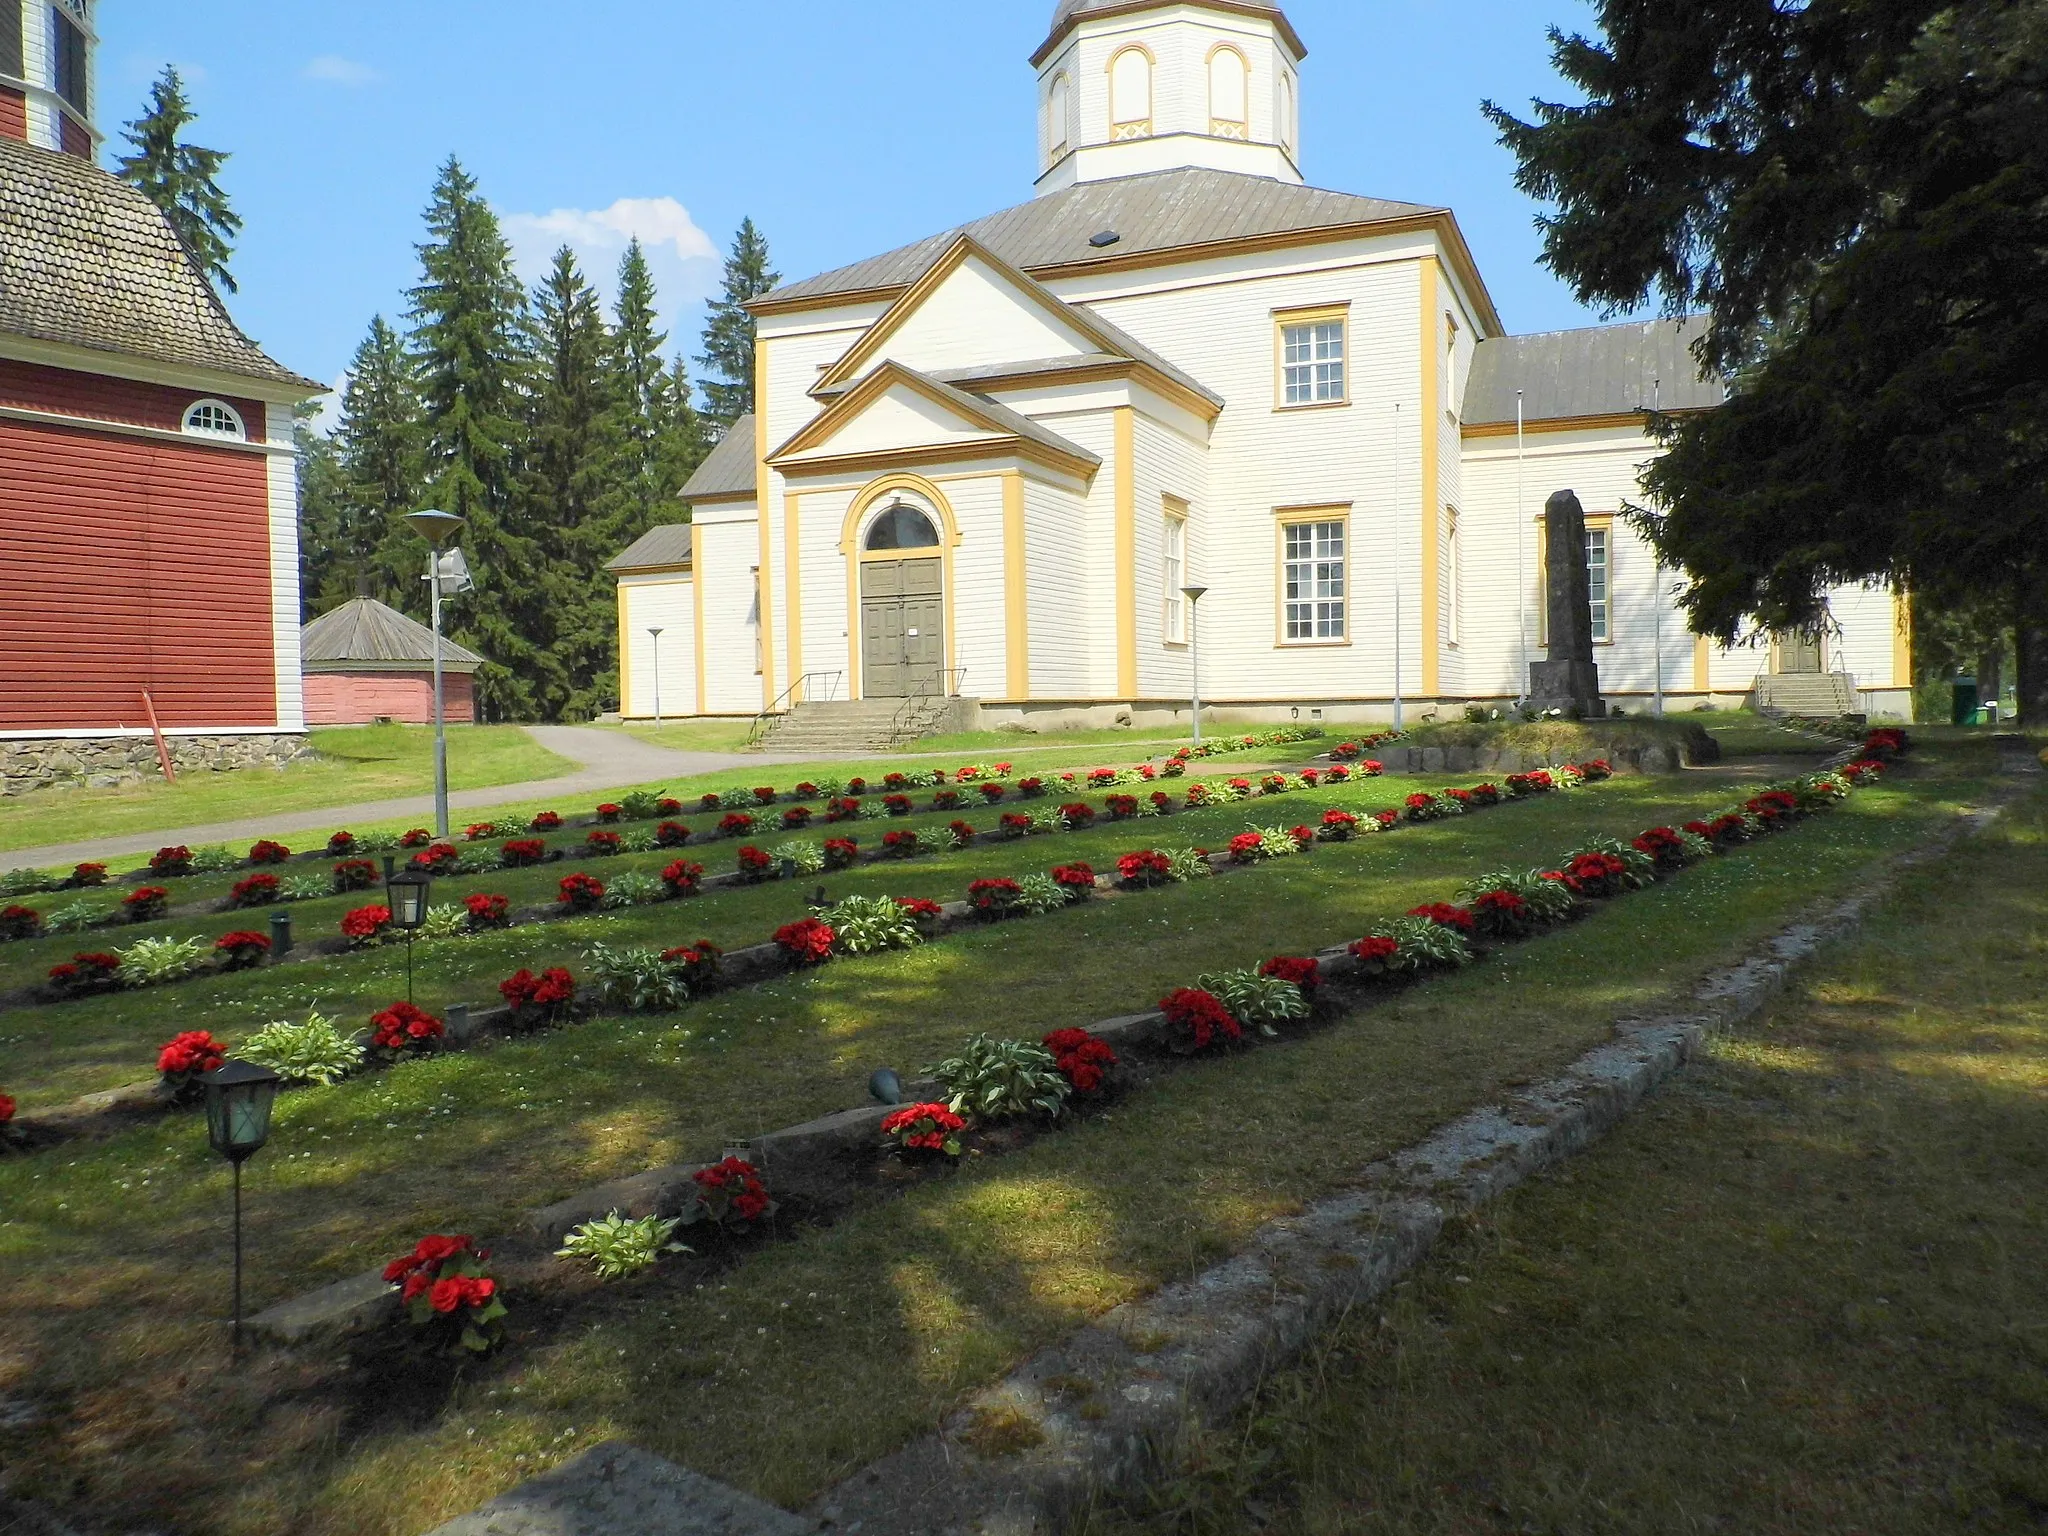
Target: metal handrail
787	700
951	680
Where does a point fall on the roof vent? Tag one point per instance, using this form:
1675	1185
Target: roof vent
1105	240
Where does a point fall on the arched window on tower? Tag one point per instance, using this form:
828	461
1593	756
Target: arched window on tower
1229	93
1130	94
1056	109
1288	134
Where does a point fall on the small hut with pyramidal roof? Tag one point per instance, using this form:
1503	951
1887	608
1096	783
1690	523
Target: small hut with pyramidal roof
366	663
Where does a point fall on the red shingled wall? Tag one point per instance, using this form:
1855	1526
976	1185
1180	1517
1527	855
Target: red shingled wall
132	563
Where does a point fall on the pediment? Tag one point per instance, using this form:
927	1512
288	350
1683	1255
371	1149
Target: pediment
896	410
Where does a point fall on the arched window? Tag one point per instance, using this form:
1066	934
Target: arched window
902	526
1130	94
214	418
1229	93
1287	123
1056	108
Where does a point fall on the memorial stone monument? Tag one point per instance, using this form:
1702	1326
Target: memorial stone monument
1569	681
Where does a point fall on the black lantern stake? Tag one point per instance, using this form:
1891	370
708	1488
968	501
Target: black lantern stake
238	1100
406	892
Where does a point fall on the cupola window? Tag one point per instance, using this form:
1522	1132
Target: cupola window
1229	93
71	69
213	418
1130	94
1056	110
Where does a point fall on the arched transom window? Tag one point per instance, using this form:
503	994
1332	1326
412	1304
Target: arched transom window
1130	94
1229	93
213	418
902	526
1056	109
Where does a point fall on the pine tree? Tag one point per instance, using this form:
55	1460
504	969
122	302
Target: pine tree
468	342
324	514
378	448
179	178
578	487
682	440
665	435
728	356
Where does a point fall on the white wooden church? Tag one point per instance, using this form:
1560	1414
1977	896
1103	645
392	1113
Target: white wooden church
991	463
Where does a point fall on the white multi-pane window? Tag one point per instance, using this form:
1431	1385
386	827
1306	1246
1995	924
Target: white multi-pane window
1312	363
212	418
1598	573
1454	571
1312	578
1173	577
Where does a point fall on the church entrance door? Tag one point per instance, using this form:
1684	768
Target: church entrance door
1799	652
902	627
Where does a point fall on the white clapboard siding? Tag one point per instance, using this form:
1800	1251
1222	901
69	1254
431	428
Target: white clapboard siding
726	552
665	600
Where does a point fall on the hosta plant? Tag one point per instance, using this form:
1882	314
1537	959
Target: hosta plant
636	980
635	888
991	1079
215	861
151	962
1039	894
1256	1001
72	917
807	856
1183	864
305	888
1421	945
1548	899
1639	868
865	925
936	840
444	922
619	1246
312	1051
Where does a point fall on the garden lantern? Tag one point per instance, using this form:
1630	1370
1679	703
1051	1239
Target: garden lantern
238	1101
406	892
446	576
1194	596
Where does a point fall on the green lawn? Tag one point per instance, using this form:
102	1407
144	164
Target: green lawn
814	1355
1798	1294
355	763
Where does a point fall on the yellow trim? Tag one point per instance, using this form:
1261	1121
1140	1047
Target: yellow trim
1283	518
849	549
1082	372
1209	86
1126	552
625	662
1902	640
1702	674
1016	588
1319	314
966	451
1443	225
697	620
1638	419
792	585
1432	517
766	567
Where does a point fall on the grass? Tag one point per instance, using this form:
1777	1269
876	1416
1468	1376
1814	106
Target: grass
810	1356
1799	1293
355	763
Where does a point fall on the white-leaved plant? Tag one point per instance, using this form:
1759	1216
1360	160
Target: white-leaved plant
73	917
445	922
1549	901
991	1078
314	1051
866	925
1184	864
151	962
1276	842
807	856
1255	1001
637	980
617	1246
1039	894
1423	944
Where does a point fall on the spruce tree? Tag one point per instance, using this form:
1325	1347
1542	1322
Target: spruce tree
324	515
681	443
469	349
578	487
179	178
378	443
728	356
665	435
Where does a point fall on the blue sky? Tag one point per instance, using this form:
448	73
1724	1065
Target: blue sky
843	129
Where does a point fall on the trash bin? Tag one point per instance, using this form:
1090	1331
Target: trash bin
1965	712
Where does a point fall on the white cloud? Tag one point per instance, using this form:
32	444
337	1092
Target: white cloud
683	259
336	70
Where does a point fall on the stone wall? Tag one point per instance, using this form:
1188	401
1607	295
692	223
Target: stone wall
106	761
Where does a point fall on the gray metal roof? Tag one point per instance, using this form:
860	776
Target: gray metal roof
660	548
1014	422
87	261
728	470
1163	211
364	632
1605	370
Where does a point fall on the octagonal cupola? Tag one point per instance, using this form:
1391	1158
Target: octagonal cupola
1127	87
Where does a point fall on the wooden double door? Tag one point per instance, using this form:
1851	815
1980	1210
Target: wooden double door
902	628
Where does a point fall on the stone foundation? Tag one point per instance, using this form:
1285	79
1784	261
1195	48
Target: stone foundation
104	762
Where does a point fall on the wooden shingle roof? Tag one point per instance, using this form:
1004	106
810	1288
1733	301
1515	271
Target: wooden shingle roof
87	261
364	634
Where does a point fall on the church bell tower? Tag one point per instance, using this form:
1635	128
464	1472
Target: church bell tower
46	86
1126	87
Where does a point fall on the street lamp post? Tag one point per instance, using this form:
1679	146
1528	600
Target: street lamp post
437	528
238	1100
1194	597
654	634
